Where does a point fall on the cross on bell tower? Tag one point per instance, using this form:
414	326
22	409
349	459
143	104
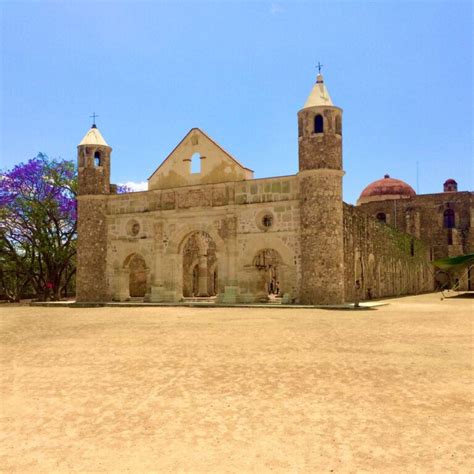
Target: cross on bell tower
93	117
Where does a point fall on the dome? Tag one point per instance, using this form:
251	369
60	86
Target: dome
386	188
450	185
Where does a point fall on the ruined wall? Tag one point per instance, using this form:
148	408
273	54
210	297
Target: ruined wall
92	244
215	164
386	261
241	218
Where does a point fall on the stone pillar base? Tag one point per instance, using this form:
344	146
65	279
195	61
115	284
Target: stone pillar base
230	295
159	294
247	298
287	298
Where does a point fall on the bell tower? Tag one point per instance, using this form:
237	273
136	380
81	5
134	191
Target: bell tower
93	161
321	209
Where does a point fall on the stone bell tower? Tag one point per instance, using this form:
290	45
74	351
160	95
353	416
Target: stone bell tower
93	161
321	209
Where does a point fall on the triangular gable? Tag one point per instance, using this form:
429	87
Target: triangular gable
217	165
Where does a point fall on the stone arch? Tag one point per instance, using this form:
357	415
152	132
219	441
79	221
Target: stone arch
135	265
268	263
255	280
97	158
318	124
269	241
179	237
198	258
449	218
338	125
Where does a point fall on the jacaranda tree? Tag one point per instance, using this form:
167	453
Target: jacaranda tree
37	228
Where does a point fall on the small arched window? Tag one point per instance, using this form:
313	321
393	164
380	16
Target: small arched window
97	159
338	125
196	163
300	127
381	217
449	219
412	248
318	124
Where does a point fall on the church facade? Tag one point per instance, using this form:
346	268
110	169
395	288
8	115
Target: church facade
207	229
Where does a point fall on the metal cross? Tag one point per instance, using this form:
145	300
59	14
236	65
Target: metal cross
93	116
319	66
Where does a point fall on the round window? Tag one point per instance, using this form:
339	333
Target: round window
267	221
133	228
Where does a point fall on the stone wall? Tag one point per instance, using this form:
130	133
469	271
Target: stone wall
92	245
386	261
93	178
319	150
215	164
242	219
321	237
422	216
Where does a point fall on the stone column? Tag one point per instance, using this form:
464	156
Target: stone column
203	290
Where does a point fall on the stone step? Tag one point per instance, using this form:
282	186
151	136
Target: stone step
199	299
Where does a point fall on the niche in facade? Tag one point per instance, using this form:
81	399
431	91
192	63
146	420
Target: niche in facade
133	228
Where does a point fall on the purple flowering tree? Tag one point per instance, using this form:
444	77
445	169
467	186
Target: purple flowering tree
38	228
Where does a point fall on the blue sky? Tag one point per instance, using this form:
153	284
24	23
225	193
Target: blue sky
402	72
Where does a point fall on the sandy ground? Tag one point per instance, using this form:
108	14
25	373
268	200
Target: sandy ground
238	390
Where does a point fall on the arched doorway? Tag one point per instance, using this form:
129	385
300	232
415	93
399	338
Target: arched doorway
199	265
137	279
269	265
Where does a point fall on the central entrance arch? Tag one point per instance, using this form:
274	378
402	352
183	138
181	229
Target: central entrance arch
199	265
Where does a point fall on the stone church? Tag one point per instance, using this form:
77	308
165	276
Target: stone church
206	228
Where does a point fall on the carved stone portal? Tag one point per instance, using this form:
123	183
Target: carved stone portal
199	266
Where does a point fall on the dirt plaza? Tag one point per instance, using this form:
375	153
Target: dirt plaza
238	390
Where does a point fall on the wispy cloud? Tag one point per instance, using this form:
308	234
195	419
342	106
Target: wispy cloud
276	8
136	186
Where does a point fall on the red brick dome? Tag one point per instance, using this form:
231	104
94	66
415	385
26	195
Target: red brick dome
450	185
386	188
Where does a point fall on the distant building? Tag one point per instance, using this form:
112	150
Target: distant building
442	220
206	228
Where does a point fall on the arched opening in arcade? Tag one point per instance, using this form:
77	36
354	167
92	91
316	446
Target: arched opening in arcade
200	278
268	263
137	275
